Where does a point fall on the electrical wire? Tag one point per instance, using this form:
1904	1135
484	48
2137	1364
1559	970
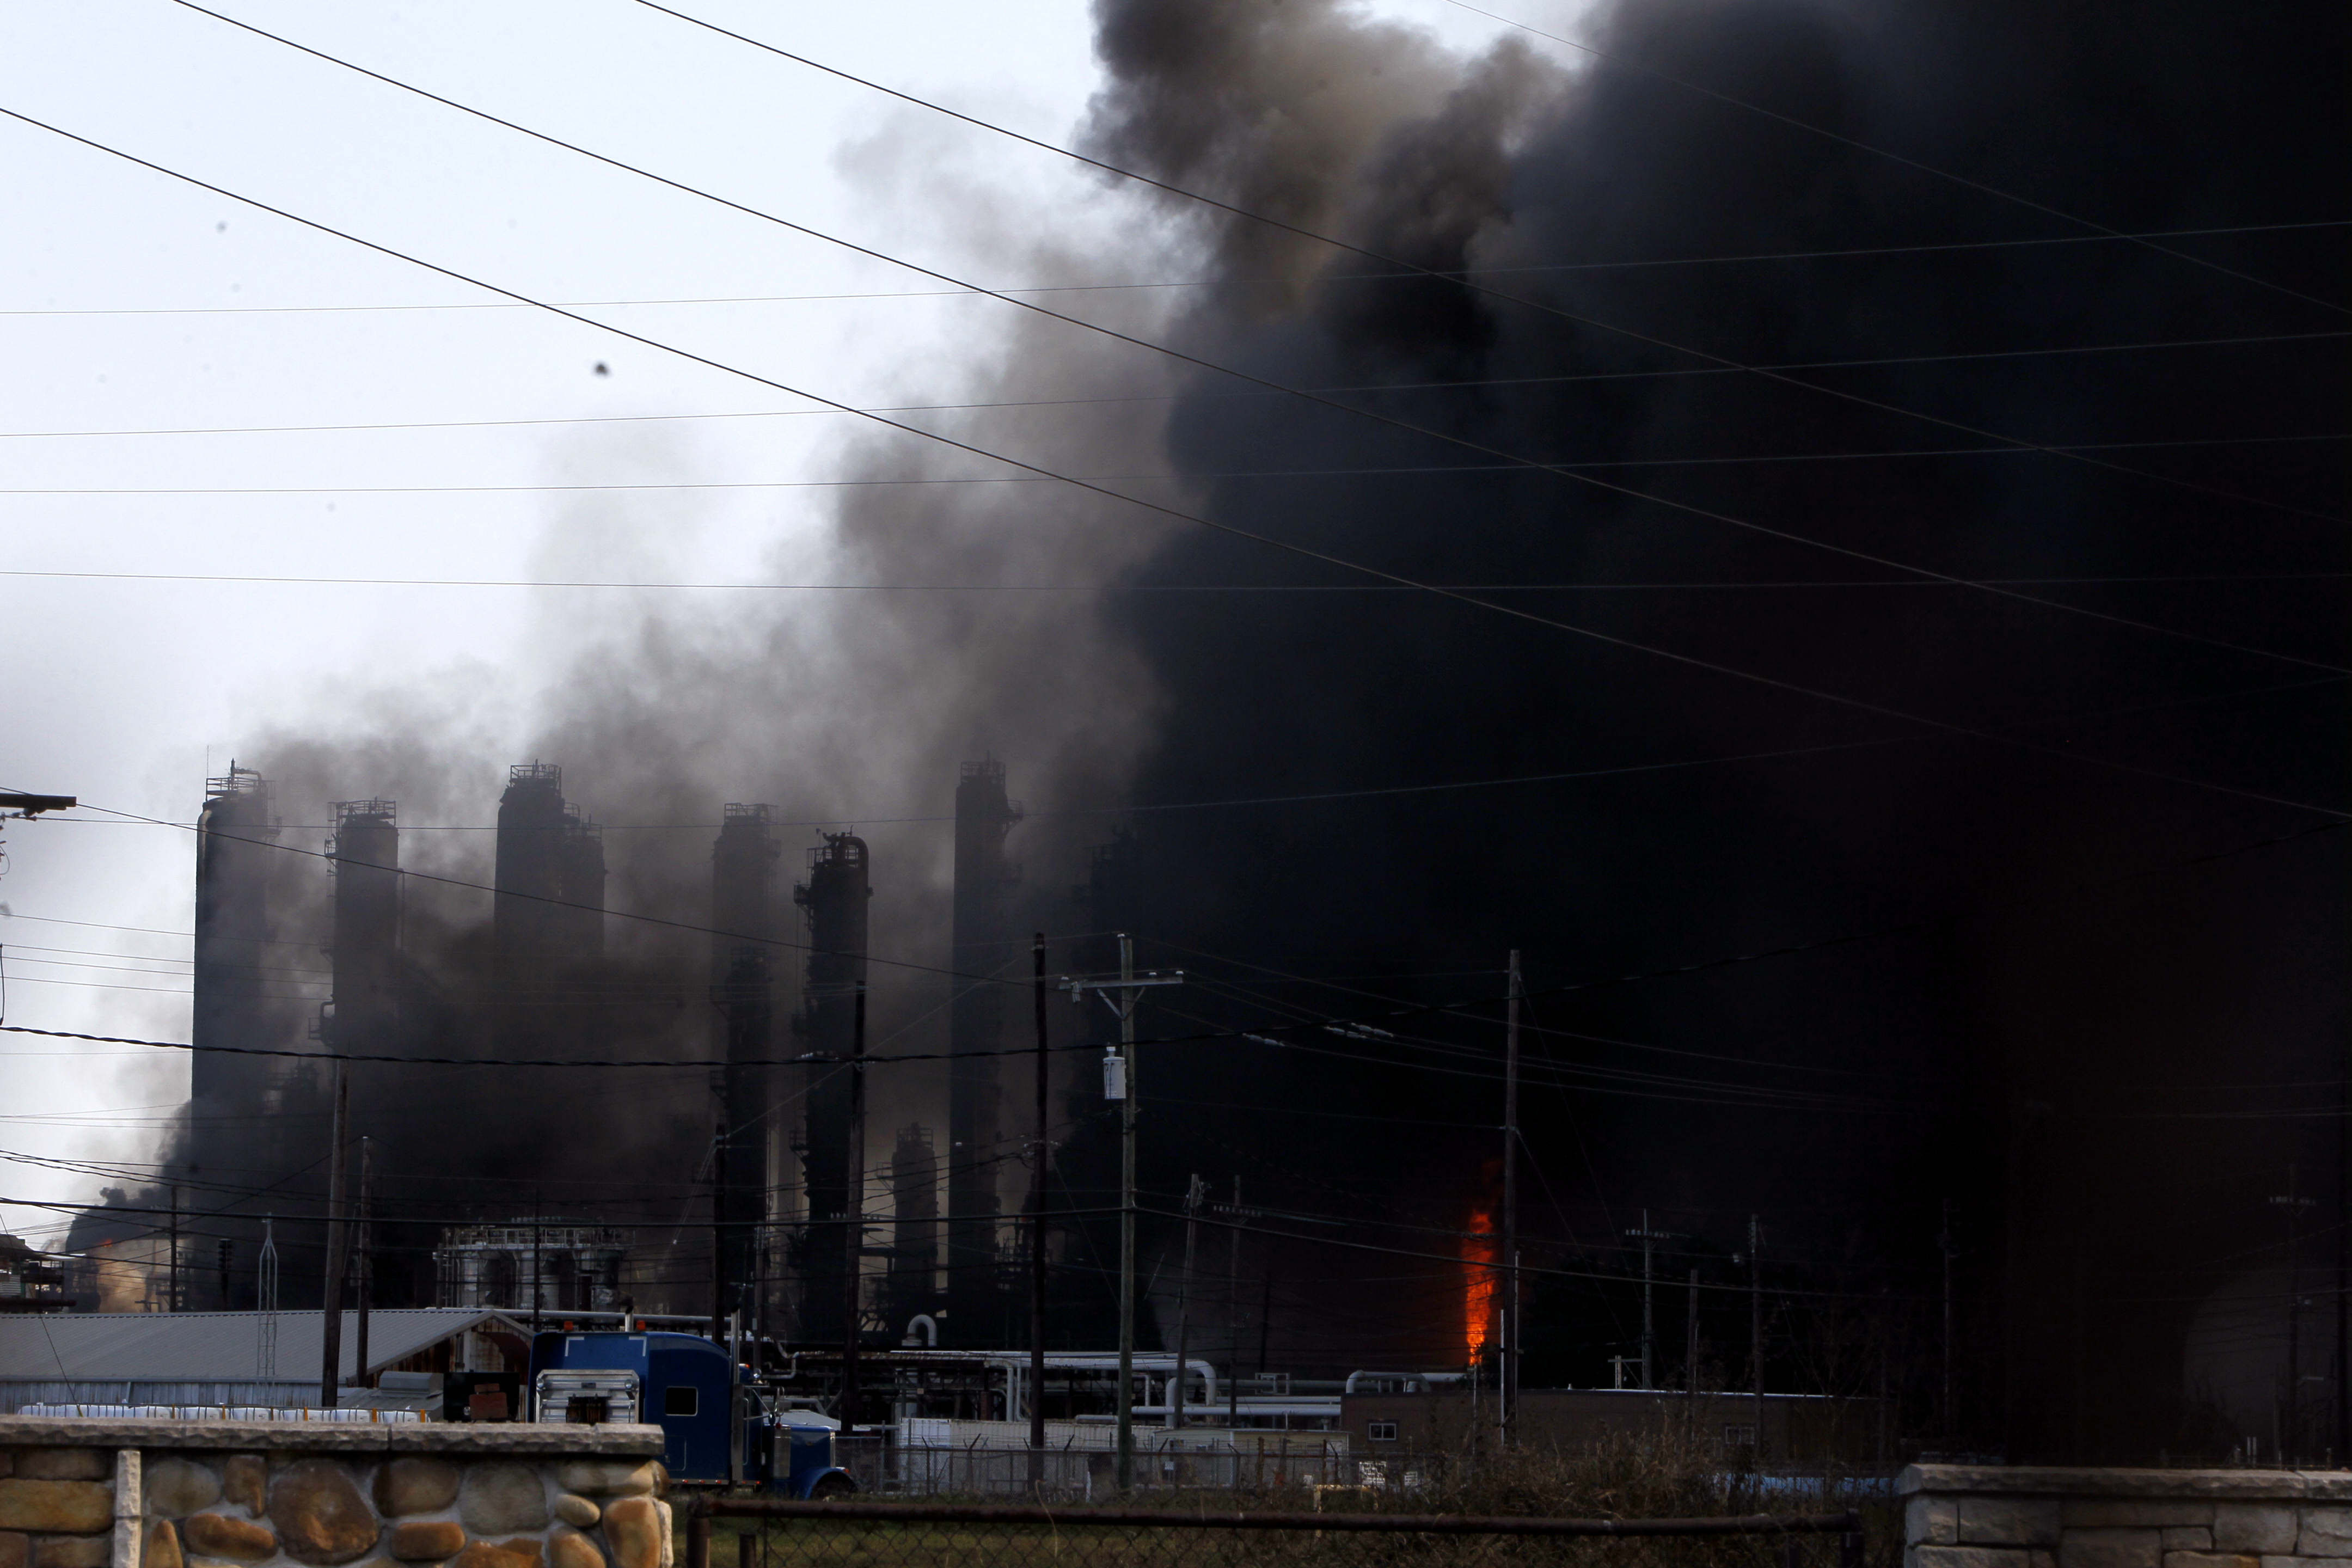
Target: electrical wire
156	931
1266	390
2038	895
1371	792
2102	230
1497	1266
1179	514
687	927
1015	402
1403	265
1426	431
1114	589
1191	282
1531	1027
234	968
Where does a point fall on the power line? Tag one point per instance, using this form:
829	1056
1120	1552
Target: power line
1751	1062
1498	1265
1860	146
1147	808
156	931
1786	949
685	926
1073	402
1150	808
144	958
1782	584
1406	265
1176	514
1234	1035
1601	1080
1269	390
1188	282
2099	230
1425	431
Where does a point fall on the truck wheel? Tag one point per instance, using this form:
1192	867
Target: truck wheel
831	1488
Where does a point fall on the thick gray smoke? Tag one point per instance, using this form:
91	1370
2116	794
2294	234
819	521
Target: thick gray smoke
2044	973
2038	961
844	710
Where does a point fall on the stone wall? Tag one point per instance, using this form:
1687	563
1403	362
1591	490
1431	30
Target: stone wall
94	1493
1985	1516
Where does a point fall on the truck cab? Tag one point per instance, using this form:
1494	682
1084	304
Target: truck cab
716	1429
801	1455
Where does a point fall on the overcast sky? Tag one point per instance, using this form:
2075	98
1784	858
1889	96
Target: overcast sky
132	305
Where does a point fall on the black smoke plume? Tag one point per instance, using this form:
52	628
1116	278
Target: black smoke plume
2065	964
2051	979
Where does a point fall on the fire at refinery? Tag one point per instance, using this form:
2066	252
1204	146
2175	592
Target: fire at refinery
1480	1283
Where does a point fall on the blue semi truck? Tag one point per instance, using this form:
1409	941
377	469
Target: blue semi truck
718	1427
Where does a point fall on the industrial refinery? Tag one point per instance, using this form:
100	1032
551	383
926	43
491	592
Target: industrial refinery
1575	763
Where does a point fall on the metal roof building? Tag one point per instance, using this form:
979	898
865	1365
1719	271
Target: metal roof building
233	1358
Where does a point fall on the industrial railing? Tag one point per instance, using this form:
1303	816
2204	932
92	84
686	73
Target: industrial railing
773	1532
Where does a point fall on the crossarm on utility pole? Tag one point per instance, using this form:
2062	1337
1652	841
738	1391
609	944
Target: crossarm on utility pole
1128	987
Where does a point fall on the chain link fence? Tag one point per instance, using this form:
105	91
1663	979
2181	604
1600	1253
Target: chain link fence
1077	1473
758	1532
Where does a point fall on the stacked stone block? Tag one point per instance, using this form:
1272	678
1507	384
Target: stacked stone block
57	1508
165	1494
1973	1516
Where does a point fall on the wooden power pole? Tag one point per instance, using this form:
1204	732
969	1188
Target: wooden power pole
1037	1242
852	1217
366	1275
338	1244
1507	1370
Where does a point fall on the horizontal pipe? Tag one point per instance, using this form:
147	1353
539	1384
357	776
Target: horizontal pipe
1382	1524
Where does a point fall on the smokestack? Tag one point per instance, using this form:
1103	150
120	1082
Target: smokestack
915	1232
547	918
977	1301
365	854
240	1108
743	921
836	897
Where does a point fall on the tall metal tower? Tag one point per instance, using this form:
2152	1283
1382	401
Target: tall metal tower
978	1302
744	919
835	897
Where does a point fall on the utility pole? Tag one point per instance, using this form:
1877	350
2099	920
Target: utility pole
854	1236
1755	1322
2294	1202
1037	1246
718	1233
1264	1318
1195	1192
222	1252
1506	1372
265	1299
1690	1363
339	1251
536	1272
1119	1084
1649	1238
2343	1258
1886	1338
1944	1246
172	1298
366	1274
1512	1310
1234	1322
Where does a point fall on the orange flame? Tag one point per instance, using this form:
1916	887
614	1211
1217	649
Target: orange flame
1479	1285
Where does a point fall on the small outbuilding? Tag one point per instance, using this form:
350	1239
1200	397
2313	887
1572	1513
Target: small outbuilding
241	1358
